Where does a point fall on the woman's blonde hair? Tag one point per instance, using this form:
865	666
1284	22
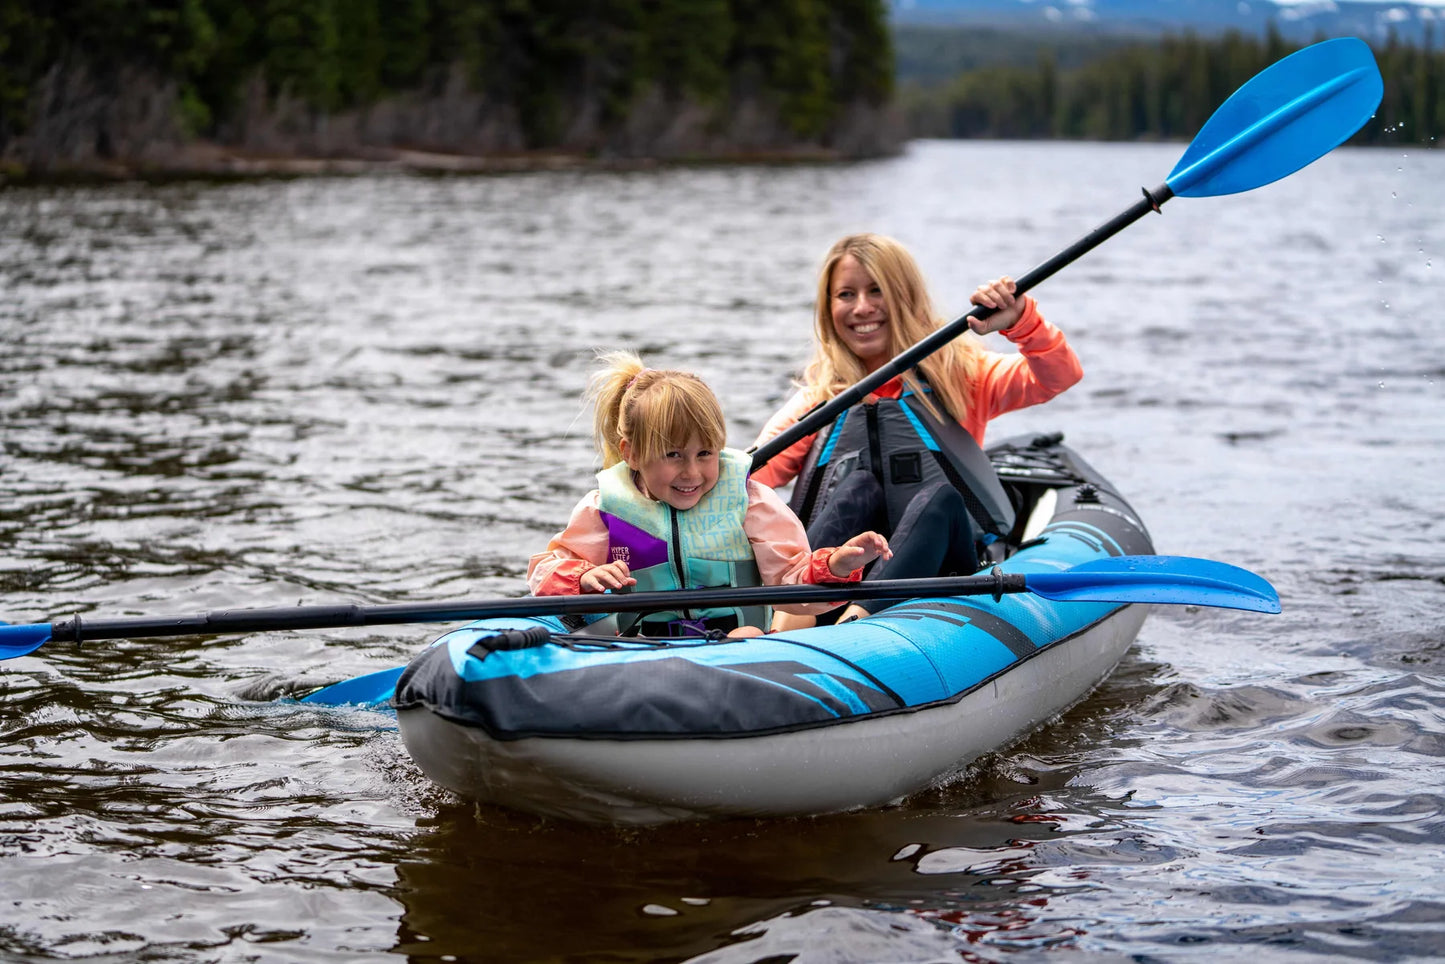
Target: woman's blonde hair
655	410
911	318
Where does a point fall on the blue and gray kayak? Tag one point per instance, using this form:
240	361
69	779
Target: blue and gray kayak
526	713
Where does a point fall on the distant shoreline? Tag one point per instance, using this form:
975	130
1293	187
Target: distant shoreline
205	160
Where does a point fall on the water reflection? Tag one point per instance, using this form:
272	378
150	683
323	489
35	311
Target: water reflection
488	885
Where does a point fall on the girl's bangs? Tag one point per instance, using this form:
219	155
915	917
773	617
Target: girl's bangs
674	416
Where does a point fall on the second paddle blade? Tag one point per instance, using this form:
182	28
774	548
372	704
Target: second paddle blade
1176	580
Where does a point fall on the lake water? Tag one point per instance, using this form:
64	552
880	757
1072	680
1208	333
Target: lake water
367	389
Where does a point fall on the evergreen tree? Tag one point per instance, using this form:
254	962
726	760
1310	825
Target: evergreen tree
406	48
781	48
1166	89
687	44
571	70
301	51
25	50
361	51
861	59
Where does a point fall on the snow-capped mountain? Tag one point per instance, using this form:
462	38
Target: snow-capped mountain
1301	20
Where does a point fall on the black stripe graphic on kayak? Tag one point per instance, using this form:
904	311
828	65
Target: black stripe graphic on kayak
674	697
1084	534
1129	541
882	686
1000	629
952	621
793	676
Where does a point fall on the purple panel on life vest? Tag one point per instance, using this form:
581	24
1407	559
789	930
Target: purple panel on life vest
639	548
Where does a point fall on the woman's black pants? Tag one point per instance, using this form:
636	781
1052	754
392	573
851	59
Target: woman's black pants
935	536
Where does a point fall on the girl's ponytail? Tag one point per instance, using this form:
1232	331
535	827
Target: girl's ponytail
607	389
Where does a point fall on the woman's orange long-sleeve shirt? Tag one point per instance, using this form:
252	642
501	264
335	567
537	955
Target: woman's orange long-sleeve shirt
1043	367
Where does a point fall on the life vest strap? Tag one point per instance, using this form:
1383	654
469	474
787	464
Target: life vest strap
675	628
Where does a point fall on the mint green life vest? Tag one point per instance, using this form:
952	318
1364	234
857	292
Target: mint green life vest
699	548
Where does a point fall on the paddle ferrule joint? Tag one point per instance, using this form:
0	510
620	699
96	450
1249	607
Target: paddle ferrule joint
1157	196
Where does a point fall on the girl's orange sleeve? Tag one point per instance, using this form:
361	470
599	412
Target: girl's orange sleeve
581	546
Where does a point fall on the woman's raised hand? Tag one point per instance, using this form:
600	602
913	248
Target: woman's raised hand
857	552
997	294
614	575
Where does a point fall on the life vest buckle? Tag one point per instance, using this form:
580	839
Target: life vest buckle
905	468
707	627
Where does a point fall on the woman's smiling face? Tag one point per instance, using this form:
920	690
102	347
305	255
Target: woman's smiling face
860	316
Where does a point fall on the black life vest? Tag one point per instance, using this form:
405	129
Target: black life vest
906	448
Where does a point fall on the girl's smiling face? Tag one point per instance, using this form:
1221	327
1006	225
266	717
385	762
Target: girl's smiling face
860	315
680	477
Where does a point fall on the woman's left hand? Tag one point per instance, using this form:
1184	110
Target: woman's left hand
1000	295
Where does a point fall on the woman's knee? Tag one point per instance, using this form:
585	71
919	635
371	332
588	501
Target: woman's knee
940	506
939	516
855	506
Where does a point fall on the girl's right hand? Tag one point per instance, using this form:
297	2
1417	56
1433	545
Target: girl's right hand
857	552
614	575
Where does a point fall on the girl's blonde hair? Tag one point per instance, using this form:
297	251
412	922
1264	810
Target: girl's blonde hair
655	410
911	318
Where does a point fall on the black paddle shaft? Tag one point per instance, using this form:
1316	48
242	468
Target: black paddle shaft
77	629
825	412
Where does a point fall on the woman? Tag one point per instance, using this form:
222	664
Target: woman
915	441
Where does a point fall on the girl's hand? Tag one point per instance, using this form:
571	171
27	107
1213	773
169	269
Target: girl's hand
996	294
857	552
614	575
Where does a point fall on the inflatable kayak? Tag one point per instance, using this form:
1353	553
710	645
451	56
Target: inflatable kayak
526	713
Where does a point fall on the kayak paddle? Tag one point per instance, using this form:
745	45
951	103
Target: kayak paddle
1291	113
1178	580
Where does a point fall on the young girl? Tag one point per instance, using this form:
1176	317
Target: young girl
673	509
872	303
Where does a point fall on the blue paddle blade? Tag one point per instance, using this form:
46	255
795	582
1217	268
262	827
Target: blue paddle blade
373	689
1176	580
22	640
1289	114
